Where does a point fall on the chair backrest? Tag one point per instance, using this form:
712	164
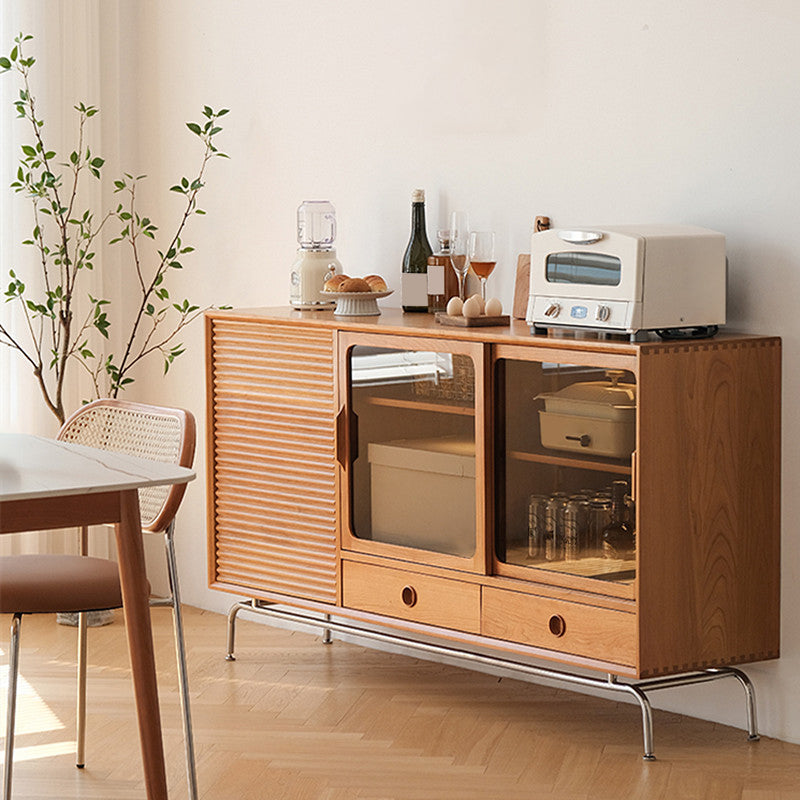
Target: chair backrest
154	432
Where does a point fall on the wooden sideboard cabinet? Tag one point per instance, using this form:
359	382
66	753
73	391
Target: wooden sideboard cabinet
446	482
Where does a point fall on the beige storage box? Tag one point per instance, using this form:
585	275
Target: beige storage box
423	493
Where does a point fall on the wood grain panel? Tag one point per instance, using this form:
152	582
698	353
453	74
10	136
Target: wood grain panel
709	539
409	595
271	455
558	625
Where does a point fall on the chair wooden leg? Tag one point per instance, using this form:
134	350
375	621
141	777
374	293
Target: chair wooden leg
180	654
80	732
11	708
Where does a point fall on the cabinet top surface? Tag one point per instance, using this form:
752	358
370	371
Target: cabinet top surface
395	321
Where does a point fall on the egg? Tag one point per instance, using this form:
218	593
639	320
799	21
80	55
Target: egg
472	307
494	308
454	307
481	304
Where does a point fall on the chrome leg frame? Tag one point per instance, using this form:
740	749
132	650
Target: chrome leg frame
180	653
80	732
83	620
11	708
327	634
638	689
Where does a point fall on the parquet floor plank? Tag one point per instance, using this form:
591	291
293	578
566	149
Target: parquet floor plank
293	719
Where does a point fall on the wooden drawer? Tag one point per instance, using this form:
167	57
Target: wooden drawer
583	630
409	595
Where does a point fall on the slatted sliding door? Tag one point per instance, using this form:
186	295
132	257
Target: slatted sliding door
272	479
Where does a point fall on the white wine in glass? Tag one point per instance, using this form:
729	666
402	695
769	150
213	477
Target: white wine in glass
459	242
481	256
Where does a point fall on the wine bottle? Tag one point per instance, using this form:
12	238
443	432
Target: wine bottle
619	539
442	279
415	261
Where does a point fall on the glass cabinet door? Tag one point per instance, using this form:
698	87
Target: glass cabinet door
411	473
564	447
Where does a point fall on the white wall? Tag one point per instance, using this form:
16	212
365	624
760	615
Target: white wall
590	112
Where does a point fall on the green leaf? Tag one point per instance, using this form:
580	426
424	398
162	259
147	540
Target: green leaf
5	63
194	128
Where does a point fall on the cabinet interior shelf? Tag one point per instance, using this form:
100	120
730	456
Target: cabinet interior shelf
422	405
597	567
566	461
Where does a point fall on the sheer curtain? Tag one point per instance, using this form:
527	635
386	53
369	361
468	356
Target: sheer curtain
67	48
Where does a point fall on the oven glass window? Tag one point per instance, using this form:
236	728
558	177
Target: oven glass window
587	268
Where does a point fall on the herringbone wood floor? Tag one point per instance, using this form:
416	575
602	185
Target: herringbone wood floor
295	719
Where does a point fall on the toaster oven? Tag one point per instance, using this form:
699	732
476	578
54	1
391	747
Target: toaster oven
629	279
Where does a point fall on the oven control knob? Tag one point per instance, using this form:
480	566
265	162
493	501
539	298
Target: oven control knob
603	313
552	310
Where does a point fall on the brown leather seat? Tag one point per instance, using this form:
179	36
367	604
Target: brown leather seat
44	584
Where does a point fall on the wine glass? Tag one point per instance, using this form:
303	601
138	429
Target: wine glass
459	241
481	256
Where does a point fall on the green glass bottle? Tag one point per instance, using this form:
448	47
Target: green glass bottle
415	261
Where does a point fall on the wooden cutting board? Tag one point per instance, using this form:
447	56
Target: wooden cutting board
522	286
471	322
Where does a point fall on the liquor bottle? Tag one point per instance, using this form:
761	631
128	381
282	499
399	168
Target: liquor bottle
442	278
619	539
415	261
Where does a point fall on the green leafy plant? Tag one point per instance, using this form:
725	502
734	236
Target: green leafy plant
63	324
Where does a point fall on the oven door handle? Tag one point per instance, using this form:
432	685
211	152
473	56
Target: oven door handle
580	237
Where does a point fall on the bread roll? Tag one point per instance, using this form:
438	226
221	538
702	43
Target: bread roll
333	284
354	285
377	284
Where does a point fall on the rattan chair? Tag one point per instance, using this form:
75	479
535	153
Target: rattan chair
80	583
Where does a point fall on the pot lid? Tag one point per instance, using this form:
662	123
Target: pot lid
607	393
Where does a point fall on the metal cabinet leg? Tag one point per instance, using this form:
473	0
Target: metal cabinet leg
234	610
327	634
647	722
749	699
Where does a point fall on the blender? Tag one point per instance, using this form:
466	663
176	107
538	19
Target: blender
316	260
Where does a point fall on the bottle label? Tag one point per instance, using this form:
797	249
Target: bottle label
435	279
414	289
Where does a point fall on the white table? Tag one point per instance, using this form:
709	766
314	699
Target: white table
49	484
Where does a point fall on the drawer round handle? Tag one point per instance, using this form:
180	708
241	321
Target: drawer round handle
409	596
557	625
